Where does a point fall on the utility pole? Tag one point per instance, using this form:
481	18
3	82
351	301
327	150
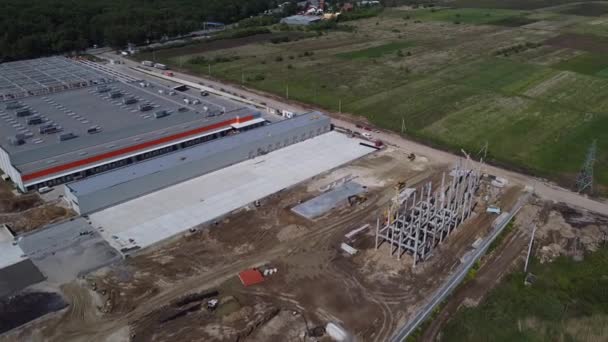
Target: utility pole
287	91
529	249
402	124
340	106
584	179
209	69
242	77
483	152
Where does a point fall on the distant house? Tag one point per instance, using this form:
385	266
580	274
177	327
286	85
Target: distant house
347	7
303	20
369	3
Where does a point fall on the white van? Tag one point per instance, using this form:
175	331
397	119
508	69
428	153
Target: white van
45	189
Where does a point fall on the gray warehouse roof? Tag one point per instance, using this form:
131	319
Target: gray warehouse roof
200	152
22	77
300	20
78	110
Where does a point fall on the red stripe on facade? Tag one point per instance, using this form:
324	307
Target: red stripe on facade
130	149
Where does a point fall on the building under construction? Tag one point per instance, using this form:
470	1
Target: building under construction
419	219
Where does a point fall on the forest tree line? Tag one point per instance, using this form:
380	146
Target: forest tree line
33	28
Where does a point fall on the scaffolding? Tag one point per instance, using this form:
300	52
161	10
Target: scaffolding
417	220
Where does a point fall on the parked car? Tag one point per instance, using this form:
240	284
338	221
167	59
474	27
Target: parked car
45	189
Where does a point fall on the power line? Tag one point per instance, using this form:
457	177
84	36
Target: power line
483	152
584	179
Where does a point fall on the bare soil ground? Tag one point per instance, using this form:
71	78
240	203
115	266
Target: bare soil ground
370	294
28	212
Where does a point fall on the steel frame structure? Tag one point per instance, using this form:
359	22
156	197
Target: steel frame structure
418	220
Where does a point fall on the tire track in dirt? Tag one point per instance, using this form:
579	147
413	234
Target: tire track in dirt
81	321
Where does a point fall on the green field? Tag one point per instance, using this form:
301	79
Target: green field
567	302
539	108
477	16
589	64
376	51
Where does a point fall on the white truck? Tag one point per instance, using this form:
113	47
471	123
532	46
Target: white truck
147	63
161	66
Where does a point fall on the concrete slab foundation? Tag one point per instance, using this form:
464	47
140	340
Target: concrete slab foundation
160	215
327	201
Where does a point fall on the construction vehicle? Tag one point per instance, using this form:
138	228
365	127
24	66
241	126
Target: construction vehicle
212	304
400	186
356	199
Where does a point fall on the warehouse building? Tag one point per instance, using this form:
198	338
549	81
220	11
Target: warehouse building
61	121
301	20
108	189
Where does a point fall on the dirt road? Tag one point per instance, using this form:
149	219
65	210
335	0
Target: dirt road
541	188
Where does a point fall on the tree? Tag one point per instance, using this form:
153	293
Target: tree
32	28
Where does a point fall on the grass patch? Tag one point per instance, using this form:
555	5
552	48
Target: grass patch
376	51
588	64
500	238
534	117
568	297
591	9
510	4
475	16
513	21
361	13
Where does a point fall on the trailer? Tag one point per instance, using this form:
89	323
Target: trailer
147	63
161	66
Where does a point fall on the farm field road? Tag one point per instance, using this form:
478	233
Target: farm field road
541	188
